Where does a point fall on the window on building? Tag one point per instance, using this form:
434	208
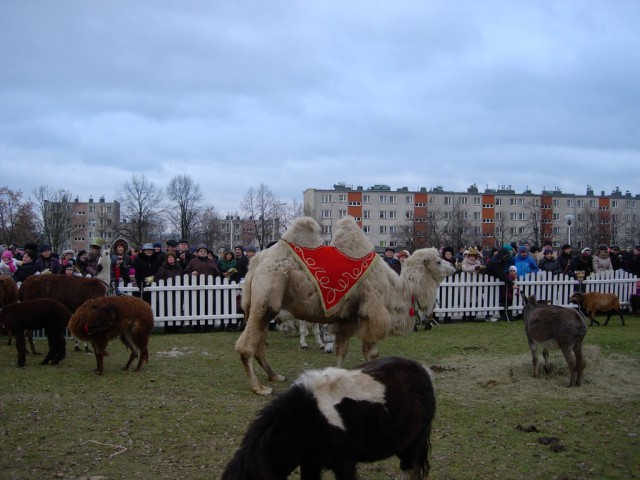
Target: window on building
477	200
325	198
366	198
366	228
393	214
383	199
408	199
477	215
580	203
432	200
342	198
393	199
383	229
498	201
408	215
556	202
463	200
366	214
383	214
393	229
447	200
326	214
342	213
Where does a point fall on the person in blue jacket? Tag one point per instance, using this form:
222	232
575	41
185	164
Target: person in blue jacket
524	262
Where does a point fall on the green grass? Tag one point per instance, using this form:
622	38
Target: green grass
184	414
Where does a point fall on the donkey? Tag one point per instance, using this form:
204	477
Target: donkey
334	418
550	326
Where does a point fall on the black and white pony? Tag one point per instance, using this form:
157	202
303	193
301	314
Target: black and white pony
334	418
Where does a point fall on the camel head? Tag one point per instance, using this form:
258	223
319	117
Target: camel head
422	273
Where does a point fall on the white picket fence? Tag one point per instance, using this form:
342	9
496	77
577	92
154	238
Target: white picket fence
473	294
193	301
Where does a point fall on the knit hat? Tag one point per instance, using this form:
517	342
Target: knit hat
548	251
251	248
170	254
7	254
172	243
508	247
157	245
602	247
513	268
45	248
586	251
404	253
200	246
147	246
565	246
523	248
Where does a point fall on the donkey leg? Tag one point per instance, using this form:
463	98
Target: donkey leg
580	364
545	355
571	362
534	359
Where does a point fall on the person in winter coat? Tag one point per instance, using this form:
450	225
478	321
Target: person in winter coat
616	257
170	268
202	264
8	264
583	263
93	258
499	267
602	260
47	262
524	262
146	265
471	261
549	263
120	263
565	259
27	268
228	265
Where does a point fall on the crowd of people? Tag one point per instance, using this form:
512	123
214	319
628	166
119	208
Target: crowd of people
129	265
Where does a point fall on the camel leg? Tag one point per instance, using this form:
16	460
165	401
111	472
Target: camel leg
303	334
571	362
370	350
341	347
261	358
246	346
316	333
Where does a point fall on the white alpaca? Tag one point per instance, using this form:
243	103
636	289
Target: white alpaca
378	305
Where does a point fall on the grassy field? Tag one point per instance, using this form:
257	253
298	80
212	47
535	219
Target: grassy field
184	414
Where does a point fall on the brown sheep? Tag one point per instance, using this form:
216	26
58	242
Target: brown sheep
102	319
594	302
71	291
45	313
550	326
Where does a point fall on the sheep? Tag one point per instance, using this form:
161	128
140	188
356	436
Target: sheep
550	326
595	302
346	285
45	313
334	418
101	319
71	291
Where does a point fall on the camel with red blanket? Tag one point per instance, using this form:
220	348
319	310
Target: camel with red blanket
345	285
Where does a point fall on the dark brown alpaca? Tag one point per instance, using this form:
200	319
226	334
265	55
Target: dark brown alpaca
45	313
9	296
549	326
102	319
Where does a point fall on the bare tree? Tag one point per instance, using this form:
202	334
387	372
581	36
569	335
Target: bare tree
141	211
592	227
260	206
184	215
534	224
211	229
56	216
17	218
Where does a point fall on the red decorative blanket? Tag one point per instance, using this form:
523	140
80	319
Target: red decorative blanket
333	273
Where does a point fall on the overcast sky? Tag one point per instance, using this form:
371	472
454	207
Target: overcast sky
305	94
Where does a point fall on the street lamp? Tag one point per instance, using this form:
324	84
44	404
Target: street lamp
569	218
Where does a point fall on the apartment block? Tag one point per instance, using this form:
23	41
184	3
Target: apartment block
404	218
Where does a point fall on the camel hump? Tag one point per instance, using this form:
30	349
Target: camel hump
305	232
350	239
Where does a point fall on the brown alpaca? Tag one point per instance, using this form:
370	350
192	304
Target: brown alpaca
71	291
9	296
550	326
102	319
45	313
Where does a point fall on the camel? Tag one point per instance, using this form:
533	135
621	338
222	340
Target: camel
381	302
